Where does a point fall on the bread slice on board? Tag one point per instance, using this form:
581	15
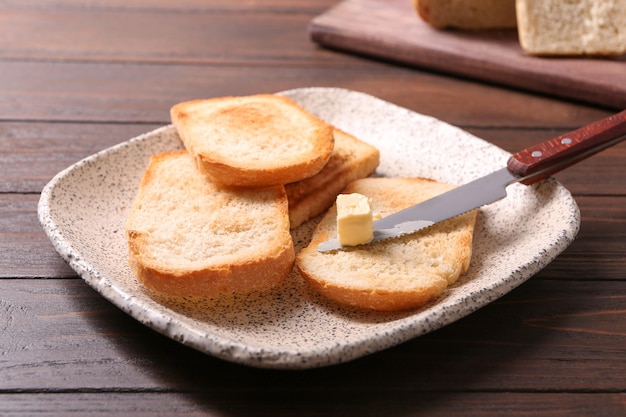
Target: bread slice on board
395	274
351	159
557	27
467	14
189	237
256	140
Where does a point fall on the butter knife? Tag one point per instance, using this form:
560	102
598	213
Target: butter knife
527	167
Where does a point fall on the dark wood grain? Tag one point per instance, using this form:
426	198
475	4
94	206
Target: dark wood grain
82	92
32	153
192	37
25	251
457	404
544	336
78	76
311	6
600	248
390	29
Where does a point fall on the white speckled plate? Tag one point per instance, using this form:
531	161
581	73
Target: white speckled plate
83	211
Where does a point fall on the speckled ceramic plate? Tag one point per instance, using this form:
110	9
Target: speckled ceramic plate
84	208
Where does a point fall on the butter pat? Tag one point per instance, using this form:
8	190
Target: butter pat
355	219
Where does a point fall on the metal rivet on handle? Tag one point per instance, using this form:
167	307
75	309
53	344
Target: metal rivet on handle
536	154
566	141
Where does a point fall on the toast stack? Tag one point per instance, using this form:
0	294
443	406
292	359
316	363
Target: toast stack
216	217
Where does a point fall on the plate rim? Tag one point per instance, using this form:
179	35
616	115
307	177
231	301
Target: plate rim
239	352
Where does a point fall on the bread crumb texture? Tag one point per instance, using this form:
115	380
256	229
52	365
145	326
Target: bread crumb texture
396	274
572	27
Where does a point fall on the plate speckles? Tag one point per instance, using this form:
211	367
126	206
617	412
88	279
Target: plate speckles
83	211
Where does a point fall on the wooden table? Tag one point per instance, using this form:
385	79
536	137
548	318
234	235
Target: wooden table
78	76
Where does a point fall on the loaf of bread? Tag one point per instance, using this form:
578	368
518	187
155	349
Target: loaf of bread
257	140
395	274
583	27
351	159
189	237
467	14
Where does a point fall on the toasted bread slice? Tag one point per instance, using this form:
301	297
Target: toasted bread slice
351	159
189	237
395	274
257	140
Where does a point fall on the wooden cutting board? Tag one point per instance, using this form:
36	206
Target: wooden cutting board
391	30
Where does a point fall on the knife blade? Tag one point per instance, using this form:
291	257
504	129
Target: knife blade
527	167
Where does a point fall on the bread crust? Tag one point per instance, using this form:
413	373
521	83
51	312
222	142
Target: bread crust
257	275
253	141
183	232
467	14
397	274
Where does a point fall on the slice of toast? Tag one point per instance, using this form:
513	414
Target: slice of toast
258	140
189	237
351	159
395	274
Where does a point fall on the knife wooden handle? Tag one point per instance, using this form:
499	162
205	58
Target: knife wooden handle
541	161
